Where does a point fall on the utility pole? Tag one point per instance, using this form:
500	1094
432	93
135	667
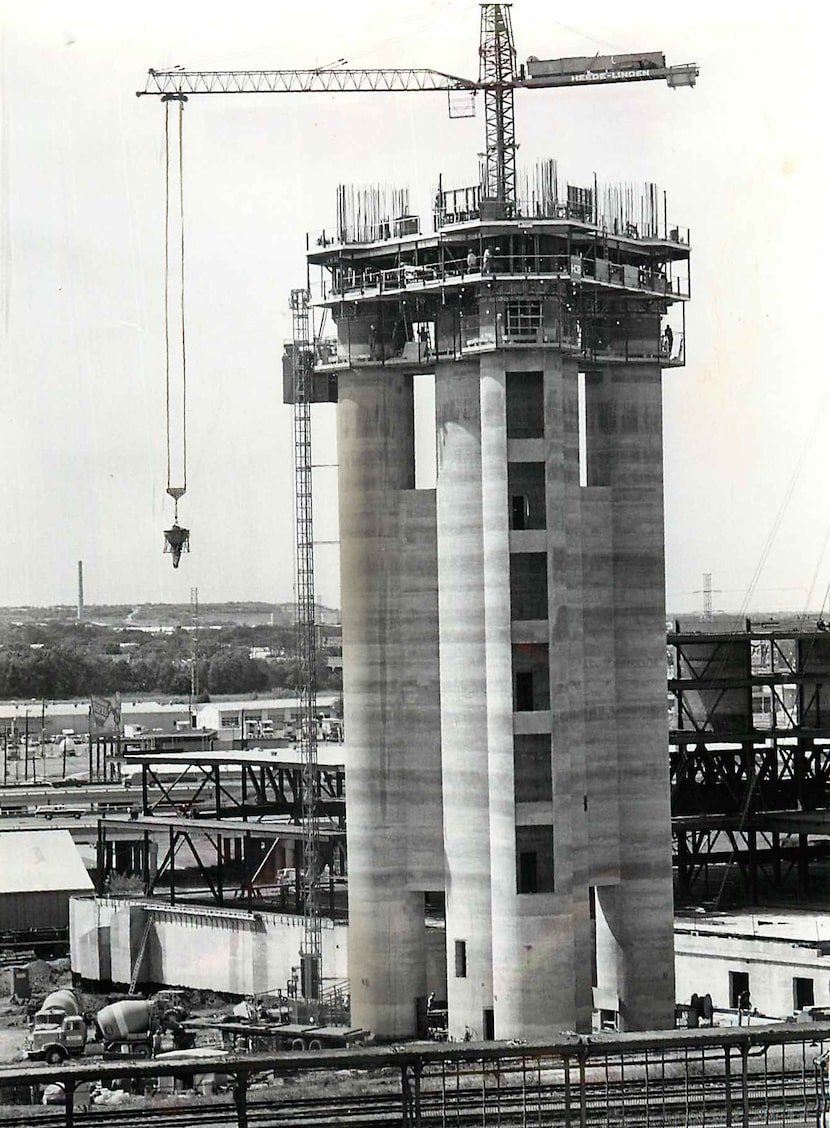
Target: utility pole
194	626
707	597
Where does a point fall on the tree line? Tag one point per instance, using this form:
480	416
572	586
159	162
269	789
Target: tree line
55	661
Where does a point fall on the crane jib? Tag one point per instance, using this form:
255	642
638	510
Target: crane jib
302	81
179	83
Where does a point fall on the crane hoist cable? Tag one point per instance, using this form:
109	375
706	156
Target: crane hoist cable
176	538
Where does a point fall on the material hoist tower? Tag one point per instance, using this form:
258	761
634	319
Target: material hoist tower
302	362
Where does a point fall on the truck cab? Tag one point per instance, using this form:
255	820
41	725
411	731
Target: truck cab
56	1036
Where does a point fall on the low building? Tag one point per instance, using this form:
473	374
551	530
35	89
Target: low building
781	958
255	717
54	718
40	870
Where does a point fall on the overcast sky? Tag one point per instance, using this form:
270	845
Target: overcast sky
743	158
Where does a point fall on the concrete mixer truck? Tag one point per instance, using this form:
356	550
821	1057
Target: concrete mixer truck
121	1029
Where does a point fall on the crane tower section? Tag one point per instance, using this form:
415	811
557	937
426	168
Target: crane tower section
497	74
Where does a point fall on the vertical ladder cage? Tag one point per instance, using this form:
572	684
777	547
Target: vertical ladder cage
302	365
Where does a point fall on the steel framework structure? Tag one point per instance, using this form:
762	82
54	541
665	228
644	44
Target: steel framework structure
497	75
218	863
240	789
749	751
303	361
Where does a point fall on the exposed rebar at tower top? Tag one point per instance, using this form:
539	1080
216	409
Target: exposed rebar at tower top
497	68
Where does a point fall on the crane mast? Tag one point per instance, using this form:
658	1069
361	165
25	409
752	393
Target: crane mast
497	76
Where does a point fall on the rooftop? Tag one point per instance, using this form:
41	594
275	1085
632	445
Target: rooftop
789	925
41	861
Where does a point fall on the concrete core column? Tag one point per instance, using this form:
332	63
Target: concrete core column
386	930
463	697
635	928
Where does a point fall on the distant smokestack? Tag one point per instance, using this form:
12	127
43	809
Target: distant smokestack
80	590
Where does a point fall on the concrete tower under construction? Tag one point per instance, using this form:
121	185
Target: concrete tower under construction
504	633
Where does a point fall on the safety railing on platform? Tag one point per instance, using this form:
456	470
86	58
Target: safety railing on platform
471	334
348	283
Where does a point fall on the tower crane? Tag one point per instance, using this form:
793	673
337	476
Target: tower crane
498	79
499	76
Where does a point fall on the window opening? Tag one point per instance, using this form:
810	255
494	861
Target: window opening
524	691
461	959
522	318
528	875
519	511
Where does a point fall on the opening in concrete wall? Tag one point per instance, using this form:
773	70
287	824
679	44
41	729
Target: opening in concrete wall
534	859
525	405
739	989
532	777
426	464
528	586
461	959
526	490
531	677
803	993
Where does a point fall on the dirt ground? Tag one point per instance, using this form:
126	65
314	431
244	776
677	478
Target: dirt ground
49	975
11	1043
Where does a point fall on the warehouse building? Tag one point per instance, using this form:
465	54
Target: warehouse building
39	871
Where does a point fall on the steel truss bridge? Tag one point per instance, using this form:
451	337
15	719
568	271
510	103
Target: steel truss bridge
733	1076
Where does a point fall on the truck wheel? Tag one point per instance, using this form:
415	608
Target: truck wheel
54	1055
